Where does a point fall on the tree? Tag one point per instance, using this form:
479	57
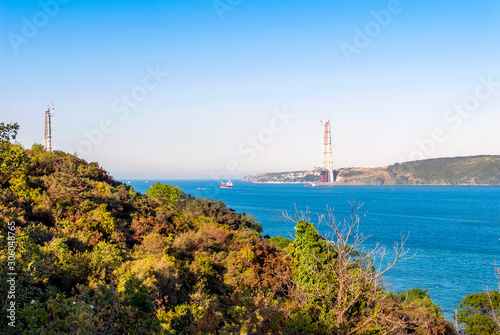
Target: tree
14	164
341	283
8	132
495	313
280	242
170	194
13	159
477	313
480	312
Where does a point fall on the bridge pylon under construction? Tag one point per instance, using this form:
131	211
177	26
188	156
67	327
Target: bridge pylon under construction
47	139
327	175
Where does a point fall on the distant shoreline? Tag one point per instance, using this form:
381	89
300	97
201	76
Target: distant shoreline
483	170
384	185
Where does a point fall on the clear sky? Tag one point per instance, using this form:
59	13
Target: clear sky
202	89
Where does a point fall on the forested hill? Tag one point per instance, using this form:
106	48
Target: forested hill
89	255
475	170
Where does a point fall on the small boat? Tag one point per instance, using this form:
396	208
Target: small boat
310	185
226	185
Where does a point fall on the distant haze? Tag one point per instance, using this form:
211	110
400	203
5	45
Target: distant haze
186	89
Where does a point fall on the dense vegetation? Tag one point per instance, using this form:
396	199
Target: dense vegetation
476	170
479	313
95	257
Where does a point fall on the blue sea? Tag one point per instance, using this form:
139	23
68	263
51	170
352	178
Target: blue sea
454	230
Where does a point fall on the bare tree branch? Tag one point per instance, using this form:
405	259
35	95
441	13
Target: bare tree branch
495	313
345	274
298	215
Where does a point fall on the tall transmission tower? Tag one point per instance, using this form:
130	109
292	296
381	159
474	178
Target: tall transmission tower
326	154
49	113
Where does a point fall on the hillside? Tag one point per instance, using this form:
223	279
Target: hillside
89	255
475	170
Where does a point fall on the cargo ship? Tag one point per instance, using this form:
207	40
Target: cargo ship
226	185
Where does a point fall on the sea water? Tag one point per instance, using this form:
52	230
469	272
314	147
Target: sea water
454	231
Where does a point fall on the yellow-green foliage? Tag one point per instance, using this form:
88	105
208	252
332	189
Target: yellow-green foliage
102	189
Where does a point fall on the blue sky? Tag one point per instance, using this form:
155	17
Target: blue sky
233	66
